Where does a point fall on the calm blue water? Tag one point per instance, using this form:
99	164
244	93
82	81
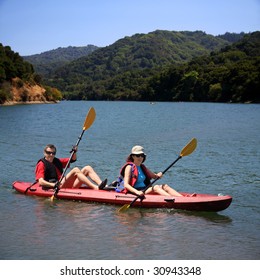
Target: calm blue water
227	160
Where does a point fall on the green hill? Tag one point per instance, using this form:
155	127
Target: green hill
120	71
46	62
229	75
19	82
13	65
232	37
161	65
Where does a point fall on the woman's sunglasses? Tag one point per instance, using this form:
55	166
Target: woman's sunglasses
141	155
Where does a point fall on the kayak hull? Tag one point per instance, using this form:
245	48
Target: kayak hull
199	202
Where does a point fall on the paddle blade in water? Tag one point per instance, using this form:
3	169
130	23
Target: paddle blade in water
123	208
89	118
189	148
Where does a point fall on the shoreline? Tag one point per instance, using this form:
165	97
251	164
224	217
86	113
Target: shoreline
12	103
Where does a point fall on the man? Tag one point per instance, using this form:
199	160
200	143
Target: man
49	169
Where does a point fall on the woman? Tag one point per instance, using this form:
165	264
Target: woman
135	176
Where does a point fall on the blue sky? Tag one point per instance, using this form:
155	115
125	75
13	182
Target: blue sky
35	26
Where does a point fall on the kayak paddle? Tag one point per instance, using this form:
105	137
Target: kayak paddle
188	149
87	124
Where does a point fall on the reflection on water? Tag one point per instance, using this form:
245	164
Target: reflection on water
210	216
225	161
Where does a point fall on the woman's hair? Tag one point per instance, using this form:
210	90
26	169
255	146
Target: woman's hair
130	158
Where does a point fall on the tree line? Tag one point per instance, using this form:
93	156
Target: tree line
158	66
167	66
229	75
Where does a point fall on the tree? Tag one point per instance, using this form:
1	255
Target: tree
215	92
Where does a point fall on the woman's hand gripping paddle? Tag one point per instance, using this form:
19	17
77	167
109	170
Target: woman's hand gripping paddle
87	124
188	149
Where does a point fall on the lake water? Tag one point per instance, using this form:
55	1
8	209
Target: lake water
227	160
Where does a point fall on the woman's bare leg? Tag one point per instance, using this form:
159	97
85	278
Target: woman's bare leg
163	190
170	190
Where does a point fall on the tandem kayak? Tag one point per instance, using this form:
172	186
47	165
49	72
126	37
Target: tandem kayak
190	202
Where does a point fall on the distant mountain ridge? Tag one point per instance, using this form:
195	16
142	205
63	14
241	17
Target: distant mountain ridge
45	62
121	68
232	37
136	68
231	74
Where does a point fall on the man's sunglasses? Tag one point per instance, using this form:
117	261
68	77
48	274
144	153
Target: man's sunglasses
50	153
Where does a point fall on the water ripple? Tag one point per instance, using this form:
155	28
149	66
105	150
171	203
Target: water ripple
225	161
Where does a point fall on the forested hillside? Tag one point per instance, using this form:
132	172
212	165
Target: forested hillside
229	75
121	70
158	66
19	82
12	65
46	62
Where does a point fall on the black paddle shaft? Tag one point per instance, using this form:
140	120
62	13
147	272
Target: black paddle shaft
67	165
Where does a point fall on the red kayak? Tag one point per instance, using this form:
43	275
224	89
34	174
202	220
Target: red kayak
190	202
